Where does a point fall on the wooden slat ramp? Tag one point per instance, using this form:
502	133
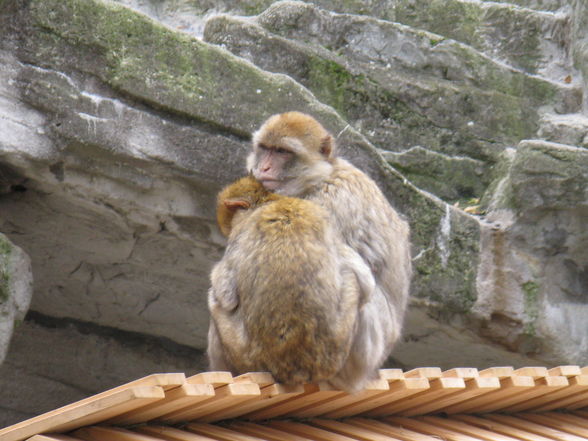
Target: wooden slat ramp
428	404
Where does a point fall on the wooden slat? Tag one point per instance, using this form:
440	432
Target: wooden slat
543	386
565	371
399	390
171	434
313	393
570	419
533	427
473	387
265	432
53	437
84	413
270	396
186	395
98	433
509	386
310	432
353	431
553	400
429	373
500	428
581	403
533	372
429	429
555	423
165	381
499	372
219	433
227	395
466	429
343	399
439	388
262	379
390	430
465	373
216	379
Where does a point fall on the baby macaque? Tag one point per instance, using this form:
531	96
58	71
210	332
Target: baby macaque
285	297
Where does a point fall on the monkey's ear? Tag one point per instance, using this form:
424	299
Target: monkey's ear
235	204
326	147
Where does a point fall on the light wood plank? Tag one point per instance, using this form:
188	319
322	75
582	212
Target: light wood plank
187	395
85	412
216	379
429	373
270	396
577	384
53	437
543	386
394	431
565	371
429	429
475	386
171	434
466	429
398	390
305	430
219	433
529	426
439	388
465	373
570	418
313	393
224	396
555	423
98	433
265	432
353	431
165	381
509	386
504	429
344	399
262	379
533	372
499	372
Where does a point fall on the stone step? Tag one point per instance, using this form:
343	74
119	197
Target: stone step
393	82
541	5
571	129
533	41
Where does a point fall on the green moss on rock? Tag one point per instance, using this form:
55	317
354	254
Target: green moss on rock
531	292
5	251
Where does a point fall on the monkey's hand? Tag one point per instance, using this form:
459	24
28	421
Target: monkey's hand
223	292
365	278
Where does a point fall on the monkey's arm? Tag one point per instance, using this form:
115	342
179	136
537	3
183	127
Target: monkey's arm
223	290
365	278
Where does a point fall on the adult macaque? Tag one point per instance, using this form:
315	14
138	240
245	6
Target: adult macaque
294	155
285	297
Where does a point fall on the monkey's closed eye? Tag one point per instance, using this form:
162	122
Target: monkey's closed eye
282	151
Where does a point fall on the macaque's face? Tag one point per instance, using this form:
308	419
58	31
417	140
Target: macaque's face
271	165
291	153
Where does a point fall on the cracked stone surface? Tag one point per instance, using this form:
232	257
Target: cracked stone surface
120	121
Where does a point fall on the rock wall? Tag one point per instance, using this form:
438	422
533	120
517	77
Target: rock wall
119	122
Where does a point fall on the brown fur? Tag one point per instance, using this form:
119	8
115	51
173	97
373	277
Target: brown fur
360	214
285	296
